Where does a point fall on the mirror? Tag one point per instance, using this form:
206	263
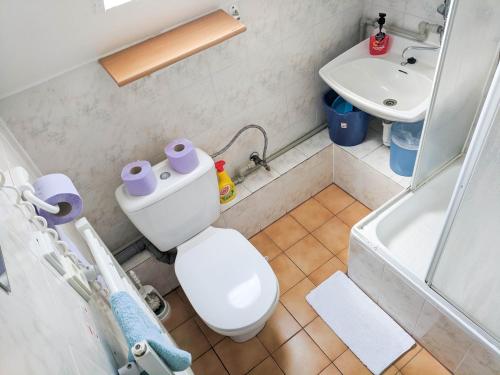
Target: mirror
4	279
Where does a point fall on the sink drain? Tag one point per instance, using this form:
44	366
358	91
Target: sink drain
390	102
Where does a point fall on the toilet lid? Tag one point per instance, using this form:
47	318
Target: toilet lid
228	282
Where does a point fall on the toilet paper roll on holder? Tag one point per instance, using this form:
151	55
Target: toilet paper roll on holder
21	177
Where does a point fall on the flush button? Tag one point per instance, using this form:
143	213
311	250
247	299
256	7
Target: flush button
165	175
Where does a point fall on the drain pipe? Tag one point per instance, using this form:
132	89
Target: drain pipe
424	28
245	172
386	132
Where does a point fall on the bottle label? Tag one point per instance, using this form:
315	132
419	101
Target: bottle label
226	193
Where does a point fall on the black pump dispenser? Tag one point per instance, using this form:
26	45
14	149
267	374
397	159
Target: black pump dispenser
381	21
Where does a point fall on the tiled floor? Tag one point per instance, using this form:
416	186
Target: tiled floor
304	248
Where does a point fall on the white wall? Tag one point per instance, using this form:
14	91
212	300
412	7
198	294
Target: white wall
45	326
81	124
405	13
40	39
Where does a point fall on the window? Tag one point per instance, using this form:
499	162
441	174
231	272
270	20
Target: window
108	4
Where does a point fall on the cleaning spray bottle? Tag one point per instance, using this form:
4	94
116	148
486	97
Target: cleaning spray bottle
227	190
379	40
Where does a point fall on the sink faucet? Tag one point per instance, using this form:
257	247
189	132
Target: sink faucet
412	60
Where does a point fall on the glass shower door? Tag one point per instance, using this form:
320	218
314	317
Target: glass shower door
466	269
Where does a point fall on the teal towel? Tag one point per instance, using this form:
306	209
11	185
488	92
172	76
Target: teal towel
137	326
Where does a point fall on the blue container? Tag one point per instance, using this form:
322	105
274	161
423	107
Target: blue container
405	138
347	125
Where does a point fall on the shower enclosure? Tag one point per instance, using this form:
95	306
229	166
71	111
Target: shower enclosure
430	257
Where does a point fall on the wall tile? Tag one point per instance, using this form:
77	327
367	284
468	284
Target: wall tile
372	142
284	193
405	13
43	317
363	182
267	75
295	17
315	144
365	269
259	179
399	300
288	160
439	334
480	361
426	9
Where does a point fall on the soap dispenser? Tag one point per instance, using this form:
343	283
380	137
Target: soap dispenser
379	40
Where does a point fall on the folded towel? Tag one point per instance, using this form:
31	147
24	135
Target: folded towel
137	326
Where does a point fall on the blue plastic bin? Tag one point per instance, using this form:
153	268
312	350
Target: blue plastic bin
405	138
347	125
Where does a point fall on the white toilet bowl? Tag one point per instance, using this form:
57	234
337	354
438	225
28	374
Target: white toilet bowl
229	283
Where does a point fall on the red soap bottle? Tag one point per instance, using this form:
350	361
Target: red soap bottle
379	40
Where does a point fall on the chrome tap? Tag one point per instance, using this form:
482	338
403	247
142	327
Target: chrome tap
258	161
412	60
443	9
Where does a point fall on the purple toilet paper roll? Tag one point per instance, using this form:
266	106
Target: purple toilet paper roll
58	189
182	155
138	178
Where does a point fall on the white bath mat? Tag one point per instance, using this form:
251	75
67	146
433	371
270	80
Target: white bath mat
361	324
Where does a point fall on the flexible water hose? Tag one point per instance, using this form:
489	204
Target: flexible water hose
242	130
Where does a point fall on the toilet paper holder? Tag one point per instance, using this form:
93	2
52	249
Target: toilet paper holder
21	179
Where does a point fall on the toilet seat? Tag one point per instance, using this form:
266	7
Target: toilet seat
228	282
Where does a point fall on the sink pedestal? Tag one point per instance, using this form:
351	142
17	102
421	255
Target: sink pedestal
386	132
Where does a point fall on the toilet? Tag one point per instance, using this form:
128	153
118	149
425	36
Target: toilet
228	282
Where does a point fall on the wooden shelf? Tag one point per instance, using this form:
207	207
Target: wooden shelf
165	49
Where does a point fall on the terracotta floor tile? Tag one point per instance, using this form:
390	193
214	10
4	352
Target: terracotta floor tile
285	232
405	358
334	234
311	214
239	358
330	370
334	198
349	364
189	337
344	256
295	302
325	338
268	367
424	363
212	336
183	296
180	311
286	271
208	364
279	328
326	270
308	254
265	245
354	213
301	356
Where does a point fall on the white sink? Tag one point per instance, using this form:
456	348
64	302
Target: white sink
380	85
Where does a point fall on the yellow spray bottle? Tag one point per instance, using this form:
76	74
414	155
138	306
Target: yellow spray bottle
227	190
